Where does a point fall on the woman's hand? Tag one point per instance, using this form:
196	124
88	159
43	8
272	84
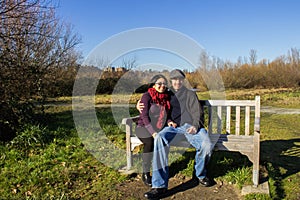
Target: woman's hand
154	134
173	124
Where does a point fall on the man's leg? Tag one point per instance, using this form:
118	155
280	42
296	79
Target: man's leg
203	145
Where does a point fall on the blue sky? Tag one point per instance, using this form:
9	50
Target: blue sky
226	29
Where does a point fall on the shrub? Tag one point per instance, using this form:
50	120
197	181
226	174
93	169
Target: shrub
32	136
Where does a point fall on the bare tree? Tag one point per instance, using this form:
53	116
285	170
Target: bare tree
253	57
33	45
129	63
294	56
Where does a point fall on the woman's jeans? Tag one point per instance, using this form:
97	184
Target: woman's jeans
170	135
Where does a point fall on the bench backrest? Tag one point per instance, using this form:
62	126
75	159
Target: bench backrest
232	116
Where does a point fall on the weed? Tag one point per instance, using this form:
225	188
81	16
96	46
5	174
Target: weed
240	176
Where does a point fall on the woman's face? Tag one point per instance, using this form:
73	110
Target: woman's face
160	85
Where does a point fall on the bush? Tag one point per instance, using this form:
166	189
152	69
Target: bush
32	136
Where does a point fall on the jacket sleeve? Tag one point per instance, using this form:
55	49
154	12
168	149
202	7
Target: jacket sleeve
195	109
146	99
201	108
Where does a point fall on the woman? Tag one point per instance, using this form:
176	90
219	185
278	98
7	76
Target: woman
153	118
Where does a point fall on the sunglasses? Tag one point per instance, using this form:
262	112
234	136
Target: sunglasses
160	84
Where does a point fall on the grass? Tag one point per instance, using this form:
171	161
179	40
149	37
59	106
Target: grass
49	161
60	168
278	97
280	153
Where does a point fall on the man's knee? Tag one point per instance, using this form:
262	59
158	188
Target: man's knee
206	147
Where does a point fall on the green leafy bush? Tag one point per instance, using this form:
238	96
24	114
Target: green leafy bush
32	136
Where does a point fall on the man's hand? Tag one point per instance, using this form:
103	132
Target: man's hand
140	106
191	130
172	124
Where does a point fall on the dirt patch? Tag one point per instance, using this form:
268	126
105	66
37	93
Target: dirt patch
181	188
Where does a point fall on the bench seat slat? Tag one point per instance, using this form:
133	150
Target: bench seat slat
230	141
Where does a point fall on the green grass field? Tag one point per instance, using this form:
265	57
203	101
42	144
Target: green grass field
49	160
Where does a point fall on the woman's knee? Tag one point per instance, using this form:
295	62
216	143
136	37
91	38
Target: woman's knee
148	149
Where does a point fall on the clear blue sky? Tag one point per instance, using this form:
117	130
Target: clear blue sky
227	29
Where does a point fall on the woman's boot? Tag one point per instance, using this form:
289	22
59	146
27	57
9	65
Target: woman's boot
147	179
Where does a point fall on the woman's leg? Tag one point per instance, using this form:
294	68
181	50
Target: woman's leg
148	142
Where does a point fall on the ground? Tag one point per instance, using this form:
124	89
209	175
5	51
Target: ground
181	188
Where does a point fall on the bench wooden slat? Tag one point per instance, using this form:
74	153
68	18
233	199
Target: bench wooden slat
210	121
221	142
247	120
237	119
230	102
219	122
228	119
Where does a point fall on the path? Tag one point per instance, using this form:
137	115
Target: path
265	109
275	110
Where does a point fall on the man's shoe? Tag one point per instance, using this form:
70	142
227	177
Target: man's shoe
147	179
206	182
155	193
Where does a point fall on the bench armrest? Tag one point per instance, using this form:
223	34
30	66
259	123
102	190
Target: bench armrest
130	120
128	126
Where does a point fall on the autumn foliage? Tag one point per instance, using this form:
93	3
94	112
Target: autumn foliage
281	72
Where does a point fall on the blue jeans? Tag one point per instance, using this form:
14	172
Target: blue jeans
170	135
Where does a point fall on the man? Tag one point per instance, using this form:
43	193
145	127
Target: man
187	122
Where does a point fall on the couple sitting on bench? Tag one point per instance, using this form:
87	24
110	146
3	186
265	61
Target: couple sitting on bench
168	116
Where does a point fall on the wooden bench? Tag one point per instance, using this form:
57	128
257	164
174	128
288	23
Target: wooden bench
230	128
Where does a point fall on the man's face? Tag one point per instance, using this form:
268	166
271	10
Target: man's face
177	83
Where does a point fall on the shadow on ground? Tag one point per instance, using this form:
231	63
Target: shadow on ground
282	158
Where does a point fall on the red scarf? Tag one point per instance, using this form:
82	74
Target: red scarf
162	99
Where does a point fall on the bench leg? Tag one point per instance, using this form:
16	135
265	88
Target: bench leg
255	177
256	153
129	159
128	146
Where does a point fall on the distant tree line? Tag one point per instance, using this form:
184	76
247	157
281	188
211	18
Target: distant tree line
284	72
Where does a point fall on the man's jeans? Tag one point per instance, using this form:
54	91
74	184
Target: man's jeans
169	136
